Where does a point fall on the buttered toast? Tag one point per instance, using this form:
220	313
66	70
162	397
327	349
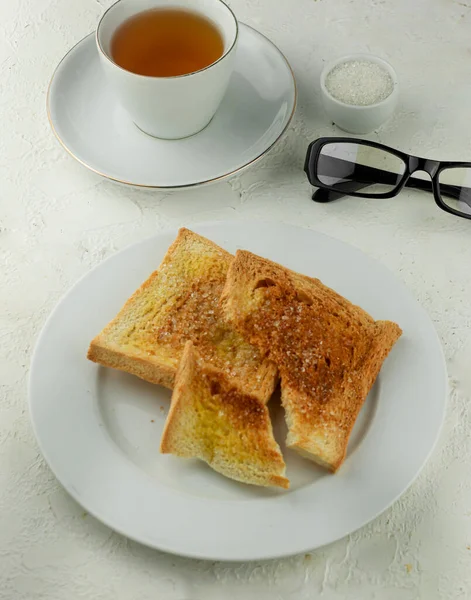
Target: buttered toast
179	302
210	418
328	351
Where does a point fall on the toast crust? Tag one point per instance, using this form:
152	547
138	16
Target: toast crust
143	367
180	302
213	420
328	351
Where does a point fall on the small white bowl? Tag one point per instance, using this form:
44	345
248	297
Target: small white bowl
354	118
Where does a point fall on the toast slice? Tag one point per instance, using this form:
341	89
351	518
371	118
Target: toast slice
179	302
328	351
210	418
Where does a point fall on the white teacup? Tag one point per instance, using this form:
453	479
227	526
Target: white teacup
170	107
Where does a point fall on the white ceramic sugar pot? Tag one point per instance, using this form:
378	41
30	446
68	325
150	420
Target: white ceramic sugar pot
359	92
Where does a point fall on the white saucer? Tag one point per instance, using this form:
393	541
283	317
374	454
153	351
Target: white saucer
93	127
100	429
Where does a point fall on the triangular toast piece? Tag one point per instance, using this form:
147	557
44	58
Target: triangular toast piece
328	351
210	418
179	302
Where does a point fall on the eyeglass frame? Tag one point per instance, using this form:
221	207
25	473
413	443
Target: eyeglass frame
412	164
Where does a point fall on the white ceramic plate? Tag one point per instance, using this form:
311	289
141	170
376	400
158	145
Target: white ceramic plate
100	429
94	128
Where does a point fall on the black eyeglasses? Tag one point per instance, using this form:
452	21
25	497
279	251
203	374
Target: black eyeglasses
346	166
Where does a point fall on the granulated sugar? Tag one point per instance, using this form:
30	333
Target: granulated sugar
359	82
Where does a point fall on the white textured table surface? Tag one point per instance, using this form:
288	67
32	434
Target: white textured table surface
57	220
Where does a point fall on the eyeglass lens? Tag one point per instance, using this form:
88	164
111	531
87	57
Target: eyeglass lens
349	167
455	188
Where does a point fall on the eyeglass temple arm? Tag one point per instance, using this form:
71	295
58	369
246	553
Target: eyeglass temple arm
378	176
